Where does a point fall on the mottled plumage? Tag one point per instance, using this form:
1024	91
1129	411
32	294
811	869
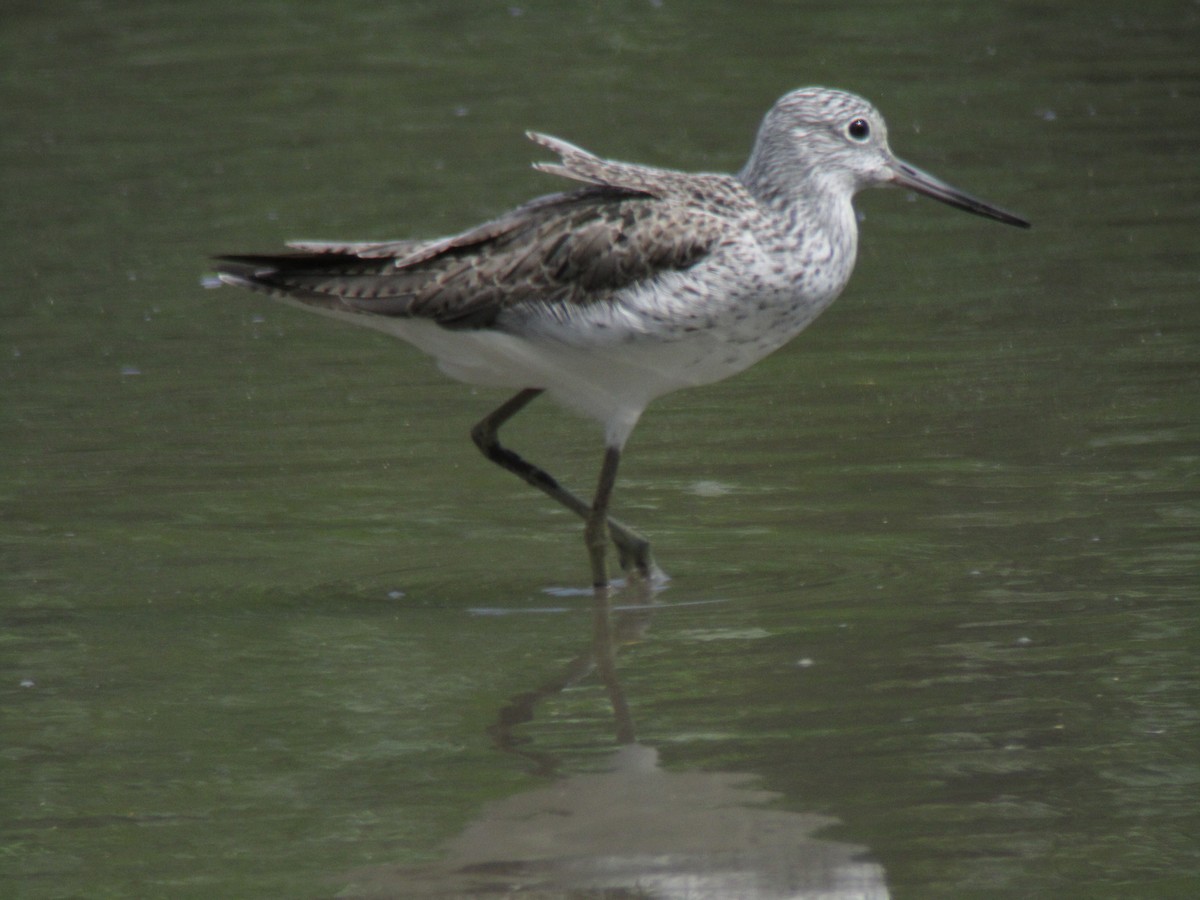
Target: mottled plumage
641	282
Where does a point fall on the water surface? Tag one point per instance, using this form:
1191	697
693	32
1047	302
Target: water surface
934	564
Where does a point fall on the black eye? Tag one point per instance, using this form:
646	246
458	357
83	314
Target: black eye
859	130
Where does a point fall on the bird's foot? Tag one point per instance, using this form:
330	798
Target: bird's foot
633	551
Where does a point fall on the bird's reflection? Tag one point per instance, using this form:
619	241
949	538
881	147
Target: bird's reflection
636	830
610	630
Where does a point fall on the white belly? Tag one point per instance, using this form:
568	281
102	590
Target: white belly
608	361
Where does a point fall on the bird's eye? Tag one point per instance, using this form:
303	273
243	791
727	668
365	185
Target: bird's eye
859	130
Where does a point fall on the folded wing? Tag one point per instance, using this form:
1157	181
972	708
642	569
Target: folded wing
579	247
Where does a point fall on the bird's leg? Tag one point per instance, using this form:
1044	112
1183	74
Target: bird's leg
595	528
634	549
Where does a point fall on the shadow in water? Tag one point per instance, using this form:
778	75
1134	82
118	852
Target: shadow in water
635	831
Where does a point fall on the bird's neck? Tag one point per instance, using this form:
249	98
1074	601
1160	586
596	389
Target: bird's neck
808	210
800	194
815	228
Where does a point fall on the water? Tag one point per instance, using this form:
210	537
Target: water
933	564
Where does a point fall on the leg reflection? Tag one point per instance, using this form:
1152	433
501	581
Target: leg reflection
610	630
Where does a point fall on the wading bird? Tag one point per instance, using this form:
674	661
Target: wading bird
640	282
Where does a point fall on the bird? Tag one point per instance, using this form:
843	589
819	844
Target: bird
635	282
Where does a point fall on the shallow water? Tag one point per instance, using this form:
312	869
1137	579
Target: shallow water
931	616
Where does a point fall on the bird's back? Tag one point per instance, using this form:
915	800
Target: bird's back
629	225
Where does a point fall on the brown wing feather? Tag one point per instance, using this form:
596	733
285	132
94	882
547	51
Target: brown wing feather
578	247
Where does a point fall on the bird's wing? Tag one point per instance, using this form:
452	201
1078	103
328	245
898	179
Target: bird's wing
629	224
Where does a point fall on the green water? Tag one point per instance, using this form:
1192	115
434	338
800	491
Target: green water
934	564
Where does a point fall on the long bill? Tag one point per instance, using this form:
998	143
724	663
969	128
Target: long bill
914	179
